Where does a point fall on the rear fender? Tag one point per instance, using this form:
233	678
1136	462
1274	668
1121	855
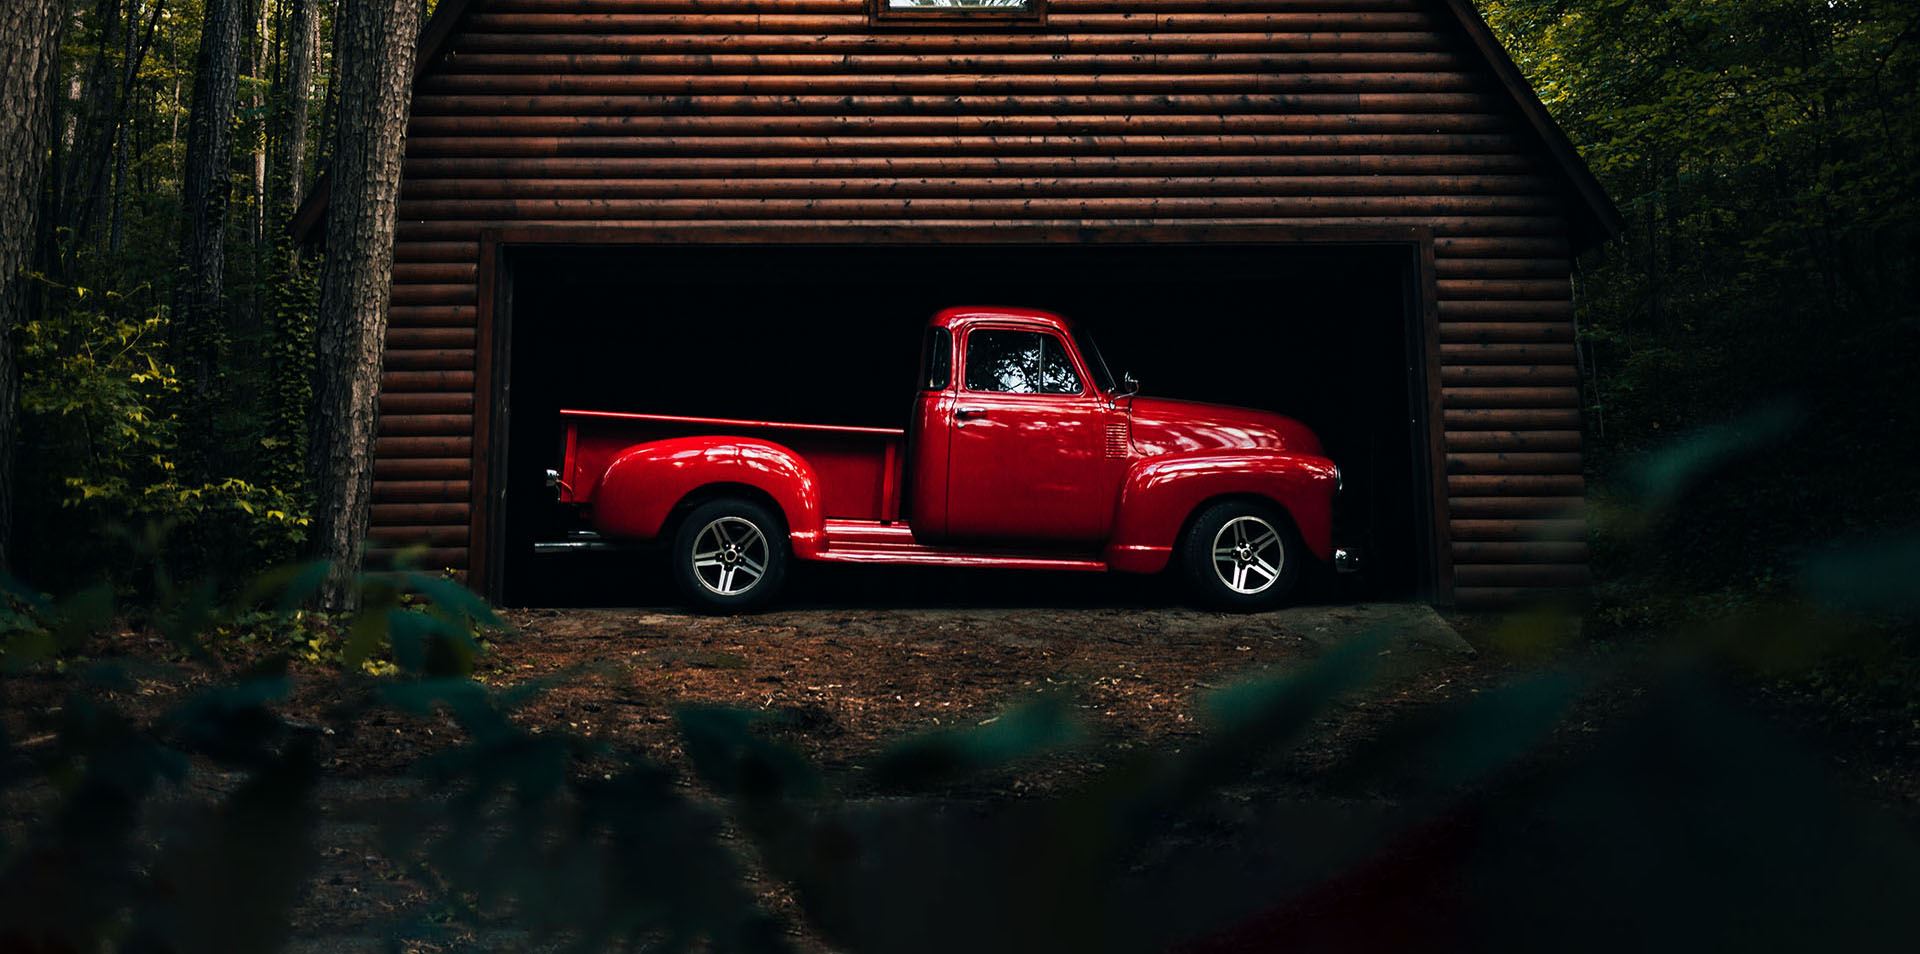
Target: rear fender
1160	493
645	482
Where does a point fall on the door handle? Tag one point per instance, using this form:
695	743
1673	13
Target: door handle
969	413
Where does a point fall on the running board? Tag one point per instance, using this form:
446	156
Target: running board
582	541
893	544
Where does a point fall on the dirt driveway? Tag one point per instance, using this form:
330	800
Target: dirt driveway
846	680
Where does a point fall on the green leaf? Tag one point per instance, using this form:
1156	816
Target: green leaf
454	599
295	585
1460	744
32	598
735	761
948	755
83	615
1280	705
1875	576
366	634
1666	475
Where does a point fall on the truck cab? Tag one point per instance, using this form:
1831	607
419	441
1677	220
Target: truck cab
1018	434
1021	450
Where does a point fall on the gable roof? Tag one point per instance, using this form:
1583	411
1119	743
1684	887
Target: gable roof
1602	221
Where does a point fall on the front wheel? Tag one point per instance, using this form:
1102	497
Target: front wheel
729	556
1241	556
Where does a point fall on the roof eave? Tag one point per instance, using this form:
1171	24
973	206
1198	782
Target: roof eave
1602	221
308	224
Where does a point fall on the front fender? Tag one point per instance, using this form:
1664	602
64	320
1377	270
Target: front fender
645	482
1160	493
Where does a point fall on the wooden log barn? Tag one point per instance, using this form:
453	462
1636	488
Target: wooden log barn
1356	212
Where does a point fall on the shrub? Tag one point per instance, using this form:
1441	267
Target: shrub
95	407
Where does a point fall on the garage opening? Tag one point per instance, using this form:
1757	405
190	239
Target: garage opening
831	334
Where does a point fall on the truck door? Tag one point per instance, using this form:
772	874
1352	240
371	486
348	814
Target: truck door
1028	459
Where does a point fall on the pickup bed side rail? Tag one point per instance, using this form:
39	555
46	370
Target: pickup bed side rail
632	470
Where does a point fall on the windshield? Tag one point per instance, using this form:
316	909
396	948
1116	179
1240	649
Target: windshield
1096	365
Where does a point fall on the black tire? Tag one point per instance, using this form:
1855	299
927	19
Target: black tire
714	583
1257	533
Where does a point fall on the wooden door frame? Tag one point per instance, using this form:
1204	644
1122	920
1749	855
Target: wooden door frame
492	372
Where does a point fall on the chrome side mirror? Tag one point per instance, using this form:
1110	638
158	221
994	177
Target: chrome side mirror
1129	385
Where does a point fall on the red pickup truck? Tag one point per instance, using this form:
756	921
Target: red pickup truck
1022	451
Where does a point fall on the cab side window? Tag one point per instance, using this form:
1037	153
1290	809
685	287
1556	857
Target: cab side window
1019	362
1056	369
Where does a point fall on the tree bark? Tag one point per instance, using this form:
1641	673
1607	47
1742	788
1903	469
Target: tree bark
125	129
198	331
375	60
88	141
29	52
110	159
258	57
296	104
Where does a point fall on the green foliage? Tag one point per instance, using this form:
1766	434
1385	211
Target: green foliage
293	298
1761	152
102	450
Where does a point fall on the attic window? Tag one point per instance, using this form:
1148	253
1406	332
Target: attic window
959	12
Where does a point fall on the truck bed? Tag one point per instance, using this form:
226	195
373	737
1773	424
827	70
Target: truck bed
860	468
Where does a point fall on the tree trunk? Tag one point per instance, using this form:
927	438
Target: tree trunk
29	52
375	60
329	106
89	139
303	36
199	327
257	69
109	121
136	55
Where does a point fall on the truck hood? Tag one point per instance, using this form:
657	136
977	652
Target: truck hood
1166	426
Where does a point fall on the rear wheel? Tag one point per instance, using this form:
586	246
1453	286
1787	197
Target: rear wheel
730	556
1242	556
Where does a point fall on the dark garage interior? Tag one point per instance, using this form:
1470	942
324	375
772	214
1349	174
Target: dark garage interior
831	335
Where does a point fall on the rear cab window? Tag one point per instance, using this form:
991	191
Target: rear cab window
936	360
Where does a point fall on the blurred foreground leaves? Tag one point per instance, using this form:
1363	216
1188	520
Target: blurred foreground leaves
1685	822
1594	803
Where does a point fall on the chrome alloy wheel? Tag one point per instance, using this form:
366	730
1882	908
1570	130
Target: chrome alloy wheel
1248	555
730	556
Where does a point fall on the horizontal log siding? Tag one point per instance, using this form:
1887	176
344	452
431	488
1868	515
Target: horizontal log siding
671	114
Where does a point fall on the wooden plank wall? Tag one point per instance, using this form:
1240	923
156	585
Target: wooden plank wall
680	114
